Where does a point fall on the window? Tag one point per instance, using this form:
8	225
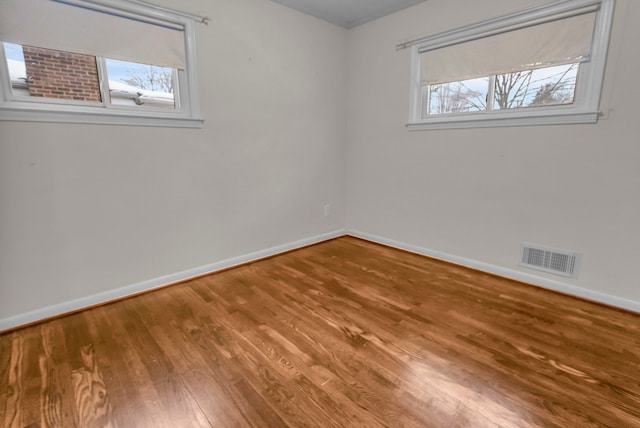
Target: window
110	61
541	66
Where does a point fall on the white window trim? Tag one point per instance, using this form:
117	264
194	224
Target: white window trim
186	114
585	108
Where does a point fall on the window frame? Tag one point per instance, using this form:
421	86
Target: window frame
186	94
584	109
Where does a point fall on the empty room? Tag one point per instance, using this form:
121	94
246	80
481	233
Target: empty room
287	213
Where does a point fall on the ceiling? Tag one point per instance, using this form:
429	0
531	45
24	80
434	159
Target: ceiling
348	13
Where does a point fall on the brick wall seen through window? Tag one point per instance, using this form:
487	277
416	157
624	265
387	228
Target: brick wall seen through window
61	75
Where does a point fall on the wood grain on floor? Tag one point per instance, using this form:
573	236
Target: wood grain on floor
343	333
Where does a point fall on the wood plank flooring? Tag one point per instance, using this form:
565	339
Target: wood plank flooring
344	333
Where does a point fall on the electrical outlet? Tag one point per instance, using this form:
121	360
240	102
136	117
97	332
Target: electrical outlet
327	210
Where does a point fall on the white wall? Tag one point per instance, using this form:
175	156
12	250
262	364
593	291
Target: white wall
85	209
479	193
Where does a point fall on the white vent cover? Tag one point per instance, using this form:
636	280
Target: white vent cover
549	260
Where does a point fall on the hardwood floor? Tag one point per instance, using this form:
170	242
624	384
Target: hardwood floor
344	333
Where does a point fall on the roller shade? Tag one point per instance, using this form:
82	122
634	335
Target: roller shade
91	29
551	41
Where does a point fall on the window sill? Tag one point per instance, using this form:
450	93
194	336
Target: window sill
492	120
99	118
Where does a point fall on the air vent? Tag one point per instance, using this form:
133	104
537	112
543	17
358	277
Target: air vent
559	262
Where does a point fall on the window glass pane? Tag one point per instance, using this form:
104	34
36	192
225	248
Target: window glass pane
143	85
535	88
458	97
17	69
46	73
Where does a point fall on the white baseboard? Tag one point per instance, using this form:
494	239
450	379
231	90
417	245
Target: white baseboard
595	296
107	296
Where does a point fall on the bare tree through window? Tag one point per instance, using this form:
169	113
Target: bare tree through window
459	97
151	78
528	88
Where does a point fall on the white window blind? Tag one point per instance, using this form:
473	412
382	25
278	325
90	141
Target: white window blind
554	40
92	29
